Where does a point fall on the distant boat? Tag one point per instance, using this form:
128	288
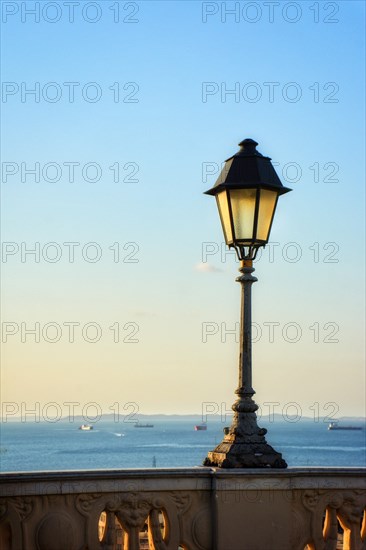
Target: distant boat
335	426
144	425
200	427
85	427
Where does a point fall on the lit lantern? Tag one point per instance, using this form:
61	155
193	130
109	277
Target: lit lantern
246	192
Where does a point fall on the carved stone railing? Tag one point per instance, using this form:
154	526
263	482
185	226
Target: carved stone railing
190	509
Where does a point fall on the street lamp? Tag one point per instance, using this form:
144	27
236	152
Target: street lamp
246	192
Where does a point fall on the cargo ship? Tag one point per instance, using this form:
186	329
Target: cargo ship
144	425
200	427
335	426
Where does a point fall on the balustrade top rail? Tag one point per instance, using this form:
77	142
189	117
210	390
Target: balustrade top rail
291	478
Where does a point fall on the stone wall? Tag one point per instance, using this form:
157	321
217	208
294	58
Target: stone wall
189	509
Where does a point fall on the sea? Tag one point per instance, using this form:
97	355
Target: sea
170	443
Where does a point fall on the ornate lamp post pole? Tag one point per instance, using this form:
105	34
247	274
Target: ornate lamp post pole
246	191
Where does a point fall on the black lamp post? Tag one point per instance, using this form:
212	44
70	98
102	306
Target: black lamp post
246	192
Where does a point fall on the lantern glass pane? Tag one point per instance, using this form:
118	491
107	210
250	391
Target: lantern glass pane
243	209
223	207
267	204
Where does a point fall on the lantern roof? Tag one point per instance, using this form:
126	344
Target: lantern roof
248	168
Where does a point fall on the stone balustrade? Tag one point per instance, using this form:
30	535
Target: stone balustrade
190	509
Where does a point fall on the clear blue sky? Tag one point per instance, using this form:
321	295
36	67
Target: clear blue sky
176	124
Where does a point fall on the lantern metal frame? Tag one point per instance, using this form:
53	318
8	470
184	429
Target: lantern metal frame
262	177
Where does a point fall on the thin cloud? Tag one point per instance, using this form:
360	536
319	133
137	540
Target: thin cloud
205	267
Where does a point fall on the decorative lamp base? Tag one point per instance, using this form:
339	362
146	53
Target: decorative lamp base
244	446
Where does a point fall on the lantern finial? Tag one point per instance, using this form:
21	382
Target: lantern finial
248	143
248	148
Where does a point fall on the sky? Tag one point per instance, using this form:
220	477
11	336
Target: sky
116	117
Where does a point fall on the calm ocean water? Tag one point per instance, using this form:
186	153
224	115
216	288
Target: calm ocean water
171	443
